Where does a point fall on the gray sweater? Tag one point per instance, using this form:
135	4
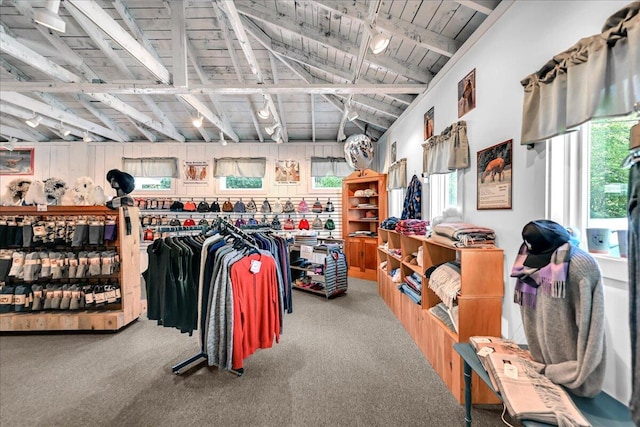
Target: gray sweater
567	334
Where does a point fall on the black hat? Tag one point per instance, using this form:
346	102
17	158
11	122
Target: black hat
542	238
123	180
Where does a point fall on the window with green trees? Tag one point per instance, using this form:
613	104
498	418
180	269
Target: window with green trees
241	183
152	184
608	182
322	182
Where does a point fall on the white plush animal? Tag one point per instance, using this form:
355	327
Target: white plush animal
36	194
15	193
84	193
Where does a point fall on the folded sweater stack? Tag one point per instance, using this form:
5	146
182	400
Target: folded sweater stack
412	226
462	234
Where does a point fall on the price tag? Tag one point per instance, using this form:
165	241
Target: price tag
480	340
255	266
510	371
306	251
485	351
42	208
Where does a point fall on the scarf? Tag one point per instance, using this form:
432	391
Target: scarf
551	278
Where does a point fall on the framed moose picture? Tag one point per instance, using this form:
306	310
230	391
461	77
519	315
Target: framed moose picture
494	177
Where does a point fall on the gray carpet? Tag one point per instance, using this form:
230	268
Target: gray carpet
342	362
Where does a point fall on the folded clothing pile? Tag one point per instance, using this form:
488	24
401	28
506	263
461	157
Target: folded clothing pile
306	237
410	292
412	226
462	234
390	223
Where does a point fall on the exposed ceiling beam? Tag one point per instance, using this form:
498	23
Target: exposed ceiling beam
11	132
483	6
130	22
276	80
228	7
22	131
179	45
105	22
43	109
313	118
248	89
415	34
312	34
147	134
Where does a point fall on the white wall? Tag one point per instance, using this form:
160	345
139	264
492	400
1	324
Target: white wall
527	35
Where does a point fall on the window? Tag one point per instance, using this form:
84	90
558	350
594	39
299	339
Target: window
587	188
443	192
240	183
153	184
326	182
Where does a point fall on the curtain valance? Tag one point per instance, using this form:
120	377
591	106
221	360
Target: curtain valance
446	152
597	77
248	167
151	167
397	175
330	166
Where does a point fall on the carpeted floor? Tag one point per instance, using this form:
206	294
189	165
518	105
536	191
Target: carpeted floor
343	362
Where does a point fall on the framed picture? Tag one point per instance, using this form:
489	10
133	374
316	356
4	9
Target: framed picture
495	176
287	172
394	152
18	161
196	172
428	123
467	93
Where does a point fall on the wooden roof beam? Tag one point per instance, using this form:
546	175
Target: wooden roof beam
483	6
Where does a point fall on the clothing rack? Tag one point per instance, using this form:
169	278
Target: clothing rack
219	225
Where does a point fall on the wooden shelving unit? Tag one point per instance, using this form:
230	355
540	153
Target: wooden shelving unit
110	318
479	302
361	249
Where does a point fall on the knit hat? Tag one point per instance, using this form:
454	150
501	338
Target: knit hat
329	207
189	206
189	222
329	225
288	206
289	224
203	206
303	207
317	223
121	180
303	224
542	238
251	206
215	207
203	221
177	206
317	206
266	206
277	206
240	222
174	222
275	224
227	206
239	206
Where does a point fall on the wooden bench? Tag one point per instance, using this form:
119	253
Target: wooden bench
601	411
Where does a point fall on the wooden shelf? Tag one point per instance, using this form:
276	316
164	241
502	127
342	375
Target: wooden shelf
479	302
106	318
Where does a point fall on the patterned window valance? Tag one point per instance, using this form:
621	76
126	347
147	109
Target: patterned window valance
330	166
397	175
248	167
446	152
151	167
597	77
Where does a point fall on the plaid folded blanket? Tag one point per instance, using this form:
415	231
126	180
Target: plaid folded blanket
464	232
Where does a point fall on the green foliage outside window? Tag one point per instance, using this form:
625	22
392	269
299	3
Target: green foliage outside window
608	181
237	182
327	182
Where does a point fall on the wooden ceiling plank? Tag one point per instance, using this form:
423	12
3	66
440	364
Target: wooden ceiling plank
179	46
147	134
313	118
276	80
483	6
106	23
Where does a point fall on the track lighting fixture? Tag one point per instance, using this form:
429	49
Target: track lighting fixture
264	113
10	144
197	122
63	130
86	137
352	114
271	129
222	140
276	136
49	16
379	41
34	121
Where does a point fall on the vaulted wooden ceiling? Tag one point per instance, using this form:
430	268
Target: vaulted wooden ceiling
142	70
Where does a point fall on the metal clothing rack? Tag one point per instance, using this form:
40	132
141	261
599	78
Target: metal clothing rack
221	225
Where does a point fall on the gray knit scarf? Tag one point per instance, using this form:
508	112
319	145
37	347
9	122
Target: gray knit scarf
551	278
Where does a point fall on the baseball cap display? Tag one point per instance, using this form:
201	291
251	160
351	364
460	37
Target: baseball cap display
542	238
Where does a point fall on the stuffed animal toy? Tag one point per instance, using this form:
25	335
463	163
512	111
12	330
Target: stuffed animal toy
16	192
449	215
83	193
36	194
54	190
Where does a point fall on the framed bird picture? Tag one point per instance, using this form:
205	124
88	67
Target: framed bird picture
18	161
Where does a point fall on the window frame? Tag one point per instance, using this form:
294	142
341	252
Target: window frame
154	192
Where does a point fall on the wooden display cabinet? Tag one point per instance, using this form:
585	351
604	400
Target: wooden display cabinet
364	207
479	302
111	318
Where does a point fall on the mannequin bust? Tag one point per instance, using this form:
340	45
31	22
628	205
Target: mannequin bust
559	287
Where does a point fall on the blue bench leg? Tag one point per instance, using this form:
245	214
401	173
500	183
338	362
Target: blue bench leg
467	394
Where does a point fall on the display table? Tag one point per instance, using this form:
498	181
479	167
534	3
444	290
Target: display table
601	411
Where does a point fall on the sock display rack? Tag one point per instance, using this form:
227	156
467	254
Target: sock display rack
70	268
161	218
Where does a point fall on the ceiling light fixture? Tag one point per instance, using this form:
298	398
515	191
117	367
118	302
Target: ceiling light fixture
271	129
86	137
222	140
352	114
379	41
276	136
49	16
264	113
34	121
10	144
63	130
197	122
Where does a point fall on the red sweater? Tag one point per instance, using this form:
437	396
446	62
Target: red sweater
256	318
